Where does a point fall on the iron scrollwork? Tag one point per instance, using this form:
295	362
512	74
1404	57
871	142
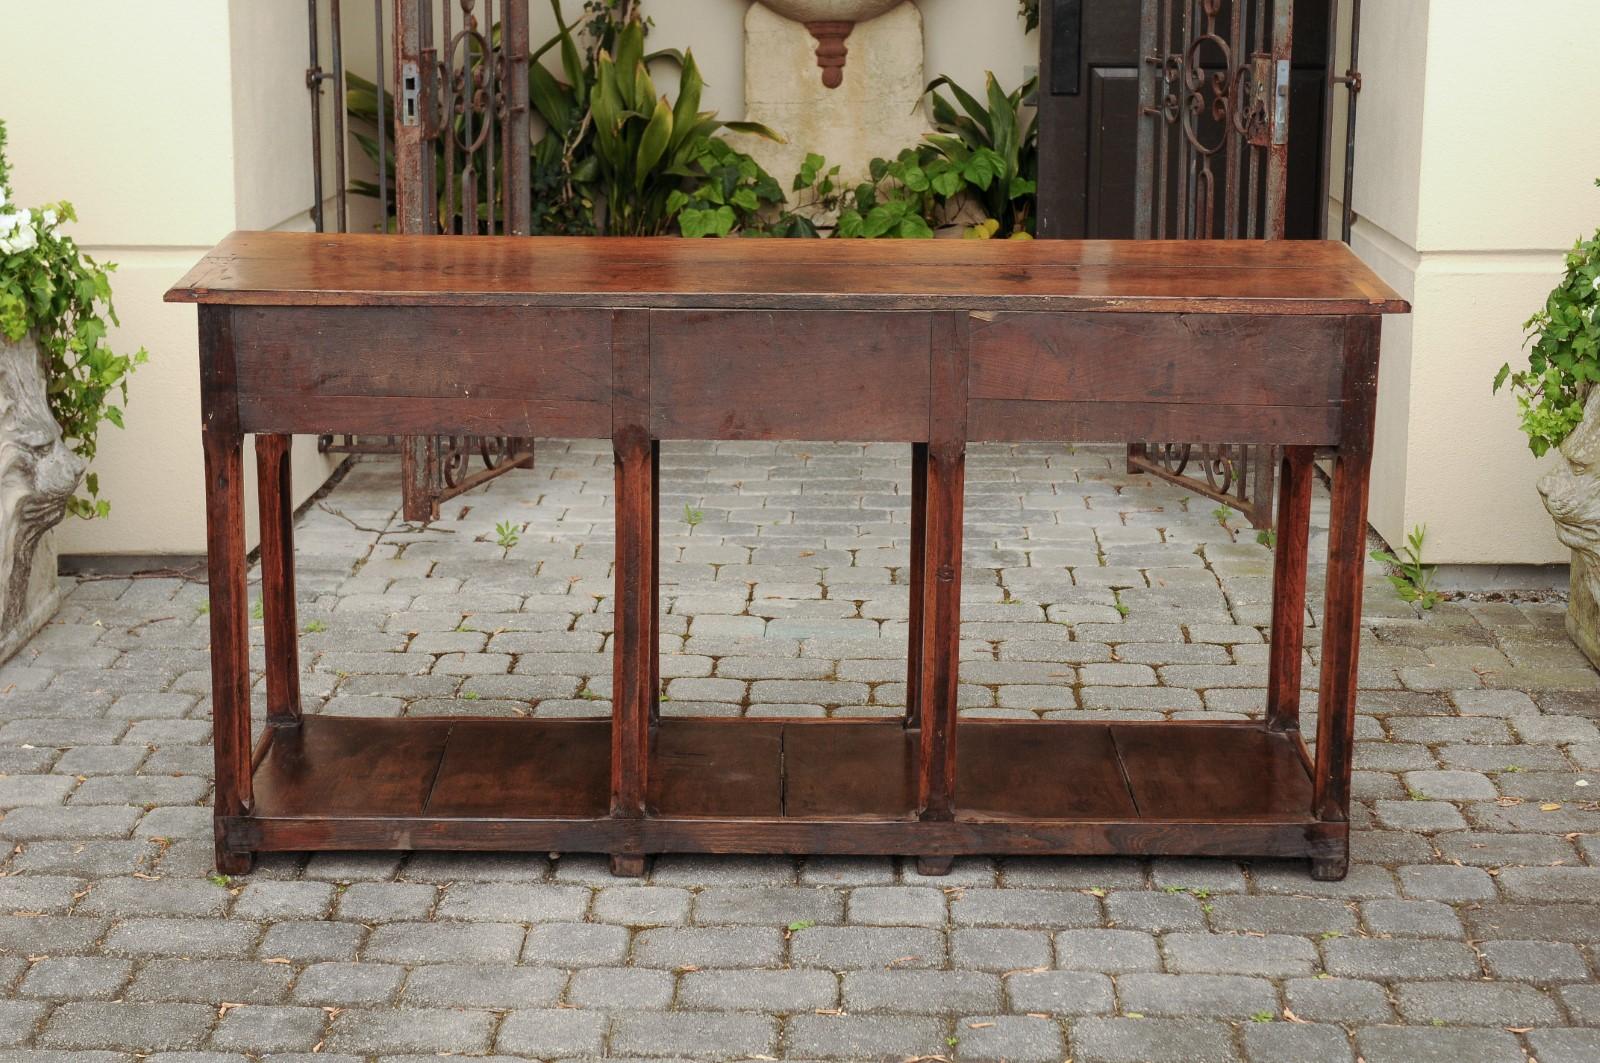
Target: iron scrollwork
1212	168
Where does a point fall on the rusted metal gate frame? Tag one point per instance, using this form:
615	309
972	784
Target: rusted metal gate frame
1249	95
487	91
1253	98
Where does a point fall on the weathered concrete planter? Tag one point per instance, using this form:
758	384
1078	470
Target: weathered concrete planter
38	474
1572	495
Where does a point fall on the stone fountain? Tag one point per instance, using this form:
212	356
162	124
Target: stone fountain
839	77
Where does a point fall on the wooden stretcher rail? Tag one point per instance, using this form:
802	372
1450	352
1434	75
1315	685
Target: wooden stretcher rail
929	344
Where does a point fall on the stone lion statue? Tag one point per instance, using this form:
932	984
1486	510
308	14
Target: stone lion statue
1572	495
38	474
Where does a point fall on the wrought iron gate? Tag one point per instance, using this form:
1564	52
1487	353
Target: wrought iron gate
1213	164
458	117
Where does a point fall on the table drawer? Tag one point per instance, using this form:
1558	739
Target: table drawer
520	371
1132	377
755	374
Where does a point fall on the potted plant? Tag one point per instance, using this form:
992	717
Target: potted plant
1560	408
58	377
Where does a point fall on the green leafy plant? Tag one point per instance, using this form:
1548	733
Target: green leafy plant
733	189
654	155
1030	14
993	144
898	201
315	627
50	288
1563	342
507	534
1267	537
692	516
1412	579
908	197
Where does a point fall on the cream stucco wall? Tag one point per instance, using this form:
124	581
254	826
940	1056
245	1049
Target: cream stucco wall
1470	186
164	141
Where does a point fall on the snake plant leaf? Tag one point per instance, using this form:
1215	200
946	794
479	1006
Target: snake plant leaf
757	129
674	55
1002	123
687	109
606	106
571	61
553	100
653	143
644	89
968	101
630	52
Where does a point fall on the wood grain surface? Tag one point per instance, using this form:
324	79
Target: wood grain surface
1237	276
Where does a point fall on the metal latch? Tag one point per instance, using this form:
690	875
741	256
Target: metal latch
1280	105
410	94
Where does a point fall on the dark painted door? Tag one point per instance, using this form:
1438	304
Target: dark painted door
1089	118
1089	73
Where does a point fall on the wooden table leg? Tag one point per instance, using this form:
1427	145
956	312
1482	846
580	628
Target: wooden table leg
635	645
223	447
273	489
944	484
1347	554
655	582
1289	591
914	574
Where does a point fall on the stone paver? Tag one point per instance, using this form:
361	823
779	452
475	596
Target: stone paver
1467	931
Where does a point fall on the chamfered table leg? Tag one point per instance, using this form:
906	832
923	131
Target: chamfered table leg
655	581
635	643
944	485
273	489
914	570
1341	637
1289	591
223	448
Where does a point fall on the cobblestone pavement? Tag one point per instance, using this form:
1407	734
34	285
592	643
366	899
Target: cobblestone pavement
1468	931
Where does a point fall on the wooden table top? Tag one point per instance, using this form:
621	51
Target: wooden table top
1163	276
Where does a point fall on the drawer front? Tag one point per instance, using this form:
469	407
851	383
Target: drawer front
1138	377
754	374
409	370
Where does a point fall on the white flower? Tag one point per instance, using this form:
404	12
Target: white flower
49	218
1597	283
10	221
24	238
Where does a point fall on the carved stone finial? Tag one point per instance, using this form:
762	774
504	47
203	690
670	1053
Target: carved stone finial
831	52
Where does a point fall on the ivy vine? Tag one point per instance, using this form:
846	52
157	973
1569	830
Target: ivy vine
52	289
1563	342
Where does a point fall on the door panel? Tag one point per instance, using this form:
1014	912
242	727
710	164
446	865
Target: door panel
1086	160
1114	108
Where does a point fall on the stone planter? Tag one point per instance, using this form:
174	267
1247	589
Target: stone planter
38	474
1572	495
